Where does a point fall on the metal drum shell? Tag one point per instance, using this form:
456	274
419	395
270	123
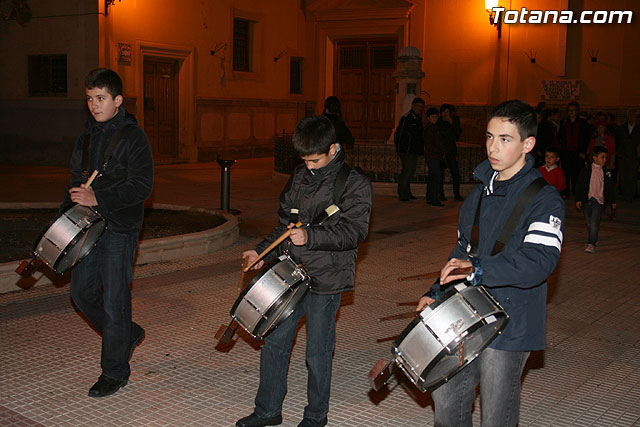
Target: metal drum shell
428	350
270	297
56	246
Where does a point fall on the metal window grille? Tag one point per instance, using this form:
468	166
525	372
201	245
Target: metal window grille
47	75
242	44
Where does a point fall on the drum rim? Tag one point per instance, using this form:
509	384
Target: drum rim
58	259
280	319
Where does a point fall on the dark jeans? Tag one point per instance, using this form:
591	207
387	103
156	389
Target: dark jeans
572	163
320	312
452	163
499	374
434	182
100	290
409	162
593	214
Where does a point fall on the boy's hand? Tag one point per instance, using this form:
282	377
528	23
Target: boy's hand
251	255
578	205
83	196
424	302
451	265
298	236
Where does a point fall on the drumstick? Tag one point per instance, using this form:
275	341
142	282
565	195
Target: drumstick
407	315
435	274
90	180
326	214
273	245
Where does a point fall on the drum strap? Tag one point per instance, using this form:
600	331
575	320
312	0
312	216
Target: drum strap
117	136
512	222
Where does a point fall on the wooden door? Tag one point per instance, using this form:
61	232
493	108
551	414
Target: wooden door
365	86
161	107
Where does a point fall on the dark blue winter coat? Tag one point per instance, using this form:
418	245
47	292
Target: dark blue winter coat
517	275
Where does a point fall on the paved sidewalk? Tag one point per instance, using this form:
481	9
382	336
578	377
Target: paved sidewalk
589	375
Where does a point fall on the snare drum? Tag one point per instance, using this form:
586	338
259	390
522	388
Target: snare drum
271	296
448	335
70	238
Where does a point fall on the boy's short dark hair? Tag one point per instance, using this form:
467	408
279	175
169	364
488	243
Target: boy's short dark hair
446	107
106	79
313	135
520	114
332	105
598	149
431	111
417	100
553	149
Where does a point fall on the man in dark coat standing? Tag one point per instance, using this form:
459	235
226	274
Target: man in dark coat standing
409	145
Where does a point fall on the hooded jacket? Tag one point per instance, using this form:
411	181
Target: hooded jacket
516	276
127	181
329	256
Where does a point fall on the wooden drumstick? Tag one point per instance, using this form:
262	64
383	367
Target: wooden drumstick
90	180
435	274
273	245
407	315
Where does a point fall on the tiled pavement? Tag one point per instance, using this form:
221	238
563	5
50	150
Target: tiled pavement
589	375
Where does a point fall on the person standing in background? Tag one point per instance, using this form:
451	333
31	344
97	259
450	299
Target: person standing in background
409	145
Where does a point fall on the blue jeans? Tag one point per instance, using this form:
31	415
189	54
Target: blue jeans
409	163
499	374
593	214
100	290
320	312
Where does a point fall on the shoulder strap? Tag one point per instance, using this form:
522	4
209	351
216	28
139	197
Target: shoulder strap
341	182
85	154
514	217
113	143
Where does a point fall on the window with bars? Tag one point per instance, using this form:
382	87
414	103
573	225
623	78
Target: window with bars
352	57
242	44
383	57
47	75
295	75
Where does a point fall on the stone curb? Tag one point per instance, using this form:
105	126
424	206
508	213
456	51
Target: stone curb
149	251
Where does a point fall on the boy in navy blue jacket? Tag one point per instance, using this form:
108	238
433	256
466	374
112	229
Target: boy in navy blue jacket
516	276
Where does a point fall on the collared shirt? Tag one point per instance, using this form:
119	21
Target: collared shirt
596	185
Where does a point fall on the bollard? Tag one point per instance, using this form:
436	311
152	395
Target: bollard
225	182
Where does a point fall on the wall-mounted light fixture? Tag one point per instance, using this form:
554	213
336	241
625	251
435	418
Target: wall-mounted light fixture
219	46
494	19
108	3
593	54
280	55
531	55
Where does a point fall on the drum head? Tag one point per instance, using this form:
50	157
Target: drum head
80	246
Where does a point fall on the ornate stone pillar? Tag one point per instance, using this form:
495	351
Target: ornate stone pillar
408	77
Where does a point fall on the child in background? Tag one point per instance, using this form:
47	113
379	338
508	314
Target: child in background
594	189
551	171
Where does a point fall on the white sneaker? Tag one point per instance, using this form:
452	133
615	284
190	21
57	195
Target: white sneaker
590	248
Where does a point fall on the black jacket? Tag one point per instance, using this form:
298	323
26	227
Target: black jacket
584	180
127	182
449	133
408	135
329	256
433	148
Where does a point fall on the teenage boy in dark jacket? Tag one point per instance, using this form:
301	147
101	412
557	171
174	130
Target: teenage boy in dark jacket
328	253
516	276
409	145
100	283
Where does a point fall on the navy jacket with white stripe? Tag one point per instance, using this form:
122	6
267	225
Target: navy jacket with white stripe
517	275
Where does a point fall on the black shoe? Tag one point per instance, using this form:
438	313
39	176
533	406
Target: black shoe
459	198
106	386
443	199
138	339
404	199
307	422
436	204
255	421
413	198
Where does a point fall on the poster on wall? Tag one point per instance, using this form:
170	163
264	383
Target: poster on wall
560	90
124	53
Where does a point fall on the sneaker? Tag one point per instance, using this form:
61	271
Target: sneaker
590	248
